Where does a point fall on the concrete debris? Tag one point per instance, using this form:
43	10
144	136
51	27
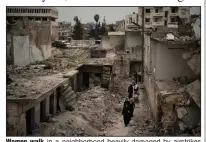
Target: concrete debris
195	63
170	37
194	89
182	126
187	56
181	112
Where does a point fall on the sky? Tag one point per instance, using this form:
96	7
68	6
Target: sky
112	14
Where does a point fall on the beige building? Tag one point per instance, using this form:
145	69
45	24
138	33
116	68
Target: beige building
120	25
129	26
39	14
64	30
164	16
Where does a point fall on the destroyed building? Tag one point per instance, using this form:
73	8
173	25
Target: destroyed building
80	90
39	14
28	42
167	78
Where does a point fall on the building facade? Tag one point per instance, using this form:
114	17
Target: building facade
164	16
129	20
120	25
64	30
39	14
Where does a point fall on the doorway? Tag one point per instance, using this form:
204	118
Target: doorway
28	122
51	104
43	111
165	23
86	80
58	98
135	66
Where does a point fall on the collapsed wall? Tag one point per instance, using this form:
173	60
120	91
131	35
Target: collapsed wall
171	85
28	42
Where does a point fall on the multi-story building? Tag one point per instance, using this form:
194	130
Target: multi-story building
164	16
64	30
129	20
39	14
120	25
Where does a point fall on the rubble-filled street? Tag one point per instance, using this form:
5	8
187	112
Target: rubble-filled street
87	79
98	113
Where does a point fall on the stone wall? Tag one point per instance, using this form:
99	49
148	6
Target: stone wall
54	31
133	44
168	61
29	42
152	93
122	66
16	122
113	42
82	42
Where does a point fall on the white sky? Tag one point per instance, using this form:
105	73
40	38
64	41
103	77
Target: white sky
112	14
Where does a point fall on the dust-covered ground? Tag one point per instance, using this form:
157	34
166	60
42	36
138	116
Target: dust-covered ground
98	113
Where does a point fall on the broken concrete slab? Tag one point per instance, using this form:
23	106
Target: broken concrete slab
194	89
181	112
187	56
182	126
70	73
170	36
195	63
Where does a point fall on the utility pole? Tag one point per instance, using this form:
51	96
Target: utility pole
142	67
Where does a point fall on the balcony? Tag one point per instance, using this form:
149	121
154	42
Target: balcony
158	14
174	14
158	23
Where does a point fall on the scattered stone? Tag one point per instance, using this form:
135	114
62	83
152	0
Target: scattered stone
170	36
195	63
182	126
53	120
194	89
187	56
181	112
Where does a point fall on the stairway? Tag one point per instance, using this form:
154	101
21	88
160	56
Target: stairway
69	98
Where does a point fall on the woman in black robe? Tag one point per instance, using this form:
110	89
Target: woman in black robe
126	112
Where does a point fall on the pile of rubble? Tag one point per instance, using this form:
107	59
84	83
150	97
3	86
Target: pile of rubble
91	116
167	34
179	113
62	61
182	109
